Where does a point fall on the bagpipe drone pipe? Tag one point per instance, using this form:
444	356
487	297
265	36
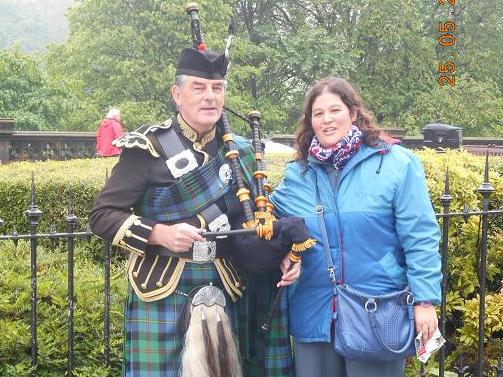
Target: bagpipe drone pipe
263	239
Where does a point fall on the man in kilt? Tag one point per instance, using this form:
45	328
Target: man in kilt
172	182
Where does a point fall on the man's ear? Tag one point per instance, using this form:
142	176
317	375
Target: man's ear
175	93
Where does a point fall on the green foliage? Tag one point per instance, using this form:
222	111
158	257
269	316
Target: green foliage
466	174
396	60
53	182
52	309
480	21
27	96
123	54
483	117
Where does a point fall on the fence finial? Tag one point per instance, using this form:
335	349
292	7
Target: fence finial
33	212
485	188
446	198
71	218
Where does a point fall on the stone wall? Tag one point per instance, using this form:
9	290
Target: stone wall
39	145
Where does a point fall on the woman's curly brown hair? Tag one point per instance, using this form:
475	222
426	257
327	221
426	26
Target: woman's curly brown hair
348	95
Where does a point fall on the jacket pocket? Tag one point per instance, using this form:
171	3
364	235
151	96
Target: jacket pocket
396	273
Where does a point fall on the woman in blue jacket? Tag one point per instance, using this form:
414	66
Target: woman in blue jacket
381	227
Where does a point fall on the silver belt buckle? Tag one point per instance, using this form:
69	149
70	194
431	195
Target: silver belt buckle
204	251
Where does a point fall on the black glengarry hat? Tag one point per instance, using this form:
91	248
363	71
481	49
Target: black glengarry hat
202	63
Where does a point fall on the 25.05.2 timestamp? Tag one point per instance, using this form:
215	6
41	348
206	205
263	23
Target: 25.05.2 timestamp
447	38
447	69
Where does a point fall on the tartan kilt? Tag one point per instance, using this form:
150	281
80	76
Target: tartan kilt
153	343
273	347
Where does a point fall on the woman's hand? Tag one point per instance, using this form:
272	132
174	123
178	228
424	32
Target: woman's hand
426	320
288	277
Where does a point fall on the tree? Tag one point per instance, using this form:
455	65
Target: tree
479	39
457	106
26	95
122	53
32	24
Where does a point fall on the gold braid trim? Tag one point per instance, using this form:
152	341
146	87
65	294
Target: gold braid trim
193	135
139	139
122	231
160	293
302	246
231	285
130	248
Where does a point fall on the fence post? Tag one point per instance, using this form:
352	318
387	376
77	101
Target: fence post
485	190
33	214
71	222
446	200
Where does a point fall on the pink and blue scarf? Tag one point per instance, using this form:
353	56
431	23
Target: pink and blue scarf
340	153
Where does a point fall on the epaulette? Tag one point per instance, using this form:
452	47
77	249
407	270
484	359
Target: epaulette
139	138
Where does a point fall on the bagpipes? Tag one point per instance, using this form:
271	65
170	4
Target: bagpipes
259	219
262	221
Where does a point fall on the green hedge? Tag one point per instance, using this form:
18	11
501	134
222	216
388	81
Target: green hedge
53	180
52	318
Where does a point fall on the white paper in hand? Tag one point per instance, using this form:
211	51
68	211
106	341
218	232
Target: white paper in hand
424	351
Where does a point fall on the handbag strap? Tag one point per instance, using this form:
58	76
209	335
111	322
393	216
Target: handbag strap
331	274
324	235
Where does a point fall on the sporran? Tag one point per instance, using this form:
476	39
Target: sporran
210	348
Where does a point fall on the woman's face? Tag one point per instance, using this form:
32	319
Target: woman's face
331	119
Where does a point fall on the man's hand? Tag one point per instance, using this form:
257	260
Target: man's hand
289	277
177	237
426	320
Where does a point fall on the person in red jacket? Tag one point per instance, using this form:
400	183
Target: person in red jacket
110	129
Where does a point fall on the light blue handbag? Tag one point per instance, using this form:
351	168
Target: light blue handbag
374	328
369	328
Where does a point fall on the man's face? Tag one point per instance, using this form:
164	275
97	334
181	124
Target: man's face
200	101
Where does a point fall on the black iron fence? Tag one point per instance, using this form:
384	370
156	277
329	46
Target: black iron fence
33	213
485	190
460	368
